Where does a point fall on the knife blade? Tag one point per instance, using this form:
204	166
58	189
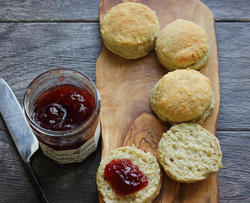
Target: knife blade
22	135
24	139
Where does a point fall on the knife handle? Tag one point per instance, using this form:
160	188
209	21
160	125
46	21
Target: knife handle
36	182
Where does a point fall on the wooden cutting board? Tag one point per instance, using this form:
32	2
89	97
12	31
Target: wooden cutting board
124	86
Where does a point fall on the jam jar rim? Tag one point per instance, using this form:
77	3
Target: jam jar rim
65	133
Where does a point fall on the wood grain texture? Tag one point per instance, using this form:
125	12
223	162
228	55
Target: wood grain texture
46	10
125	85
226	10
87	10
234	60
60	184
145	133
14	180
75	183
234	180
27	50
117	81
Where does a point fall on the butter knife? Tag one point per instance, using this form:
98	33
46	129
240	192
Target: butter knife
23	137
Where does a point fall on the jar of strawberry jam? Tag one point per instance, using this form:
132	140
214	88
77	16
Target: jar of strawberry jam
62	107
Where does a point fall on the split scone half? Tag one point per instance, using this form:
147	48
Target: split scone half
183	96
182	44
130	29
188	153
146	163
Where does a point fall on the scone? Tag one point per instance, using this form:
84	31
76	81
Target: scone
145	162
182	44
182	96
130	29
188	153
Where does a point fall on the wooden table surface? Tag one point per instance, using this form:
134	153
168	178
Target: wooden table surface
36	36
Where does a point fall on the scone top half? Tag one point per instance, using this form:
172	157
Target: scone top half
182	44
182	96
130	29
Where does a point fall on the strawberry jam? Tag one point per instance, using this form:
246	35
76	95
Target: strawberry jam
63	107
124	177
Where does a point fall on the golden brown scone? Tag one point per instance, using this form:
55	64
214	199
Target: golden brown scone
182	96
182	44
147	164
188	153
130	29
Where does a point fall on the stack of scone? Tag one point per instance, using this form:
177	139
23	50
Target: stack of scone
184	97
187	152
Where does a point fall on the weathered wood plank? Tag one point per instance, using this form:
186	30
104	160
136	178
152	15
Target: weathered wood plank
69	183
27	50
234	59
47	10
14	181
87	10
227	10
60	184
234	180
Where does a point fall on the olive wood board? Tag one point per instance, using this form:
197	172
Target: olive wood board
124	86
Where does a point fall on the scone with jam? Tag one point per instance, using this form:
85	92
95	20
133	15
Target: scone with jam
129	175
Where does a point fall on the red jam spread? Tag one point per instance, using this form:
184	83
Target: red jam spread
63	107
124	177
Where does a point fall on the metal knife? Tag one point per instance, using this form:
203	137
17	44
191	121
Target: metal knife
22	135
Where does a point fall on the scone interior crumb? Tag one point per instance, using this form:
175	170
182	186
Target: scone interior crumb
189	153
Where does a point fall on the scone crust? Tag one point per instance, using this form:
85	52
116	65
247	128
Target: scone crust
146	162
182	44
182	96
130	29
188	153
195	66
206	113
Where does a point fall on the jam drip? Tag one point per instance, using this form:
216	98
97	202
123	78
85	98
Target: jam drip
63	107
124	177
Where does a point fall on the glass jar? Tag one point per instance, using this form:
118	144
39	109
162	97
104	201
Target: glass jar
67	146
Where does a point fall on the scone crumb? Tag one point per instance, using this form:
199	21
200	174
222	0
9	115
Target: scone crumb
188	153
